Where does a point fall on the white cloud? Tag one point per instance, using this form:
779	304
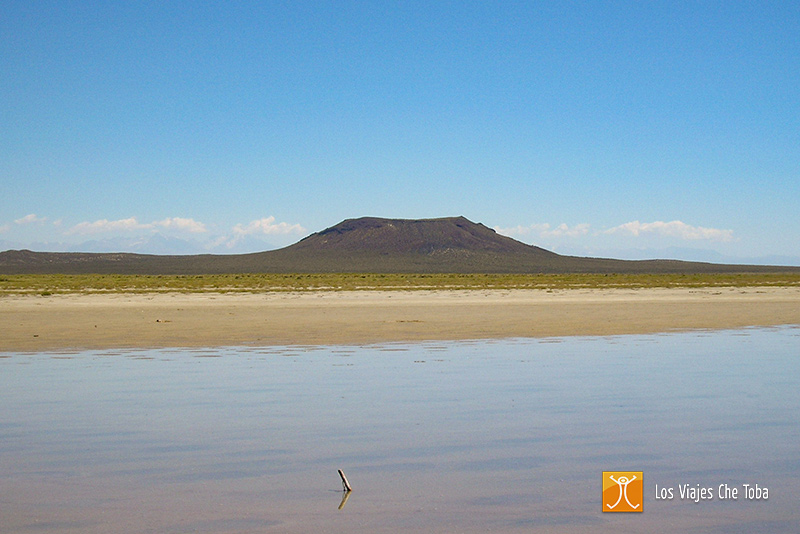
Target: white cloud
562	230
30	219
677	229
130	224
4	228
104	225
520	230
267	226
674	229
544	230
180	223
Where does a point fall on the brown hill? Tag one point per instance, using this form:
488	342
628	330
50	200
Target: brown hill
368	244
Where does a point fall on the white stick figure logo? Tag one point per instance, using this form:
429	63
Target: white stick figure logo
622	482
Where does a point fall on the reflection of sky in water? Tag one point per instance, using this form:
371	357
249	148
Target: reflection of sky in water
504	436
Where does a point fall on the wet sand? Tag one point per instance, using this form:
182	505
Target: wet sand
98	321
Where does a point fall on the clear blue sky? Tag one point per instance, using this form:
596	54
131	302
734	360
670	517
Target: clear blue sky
579	126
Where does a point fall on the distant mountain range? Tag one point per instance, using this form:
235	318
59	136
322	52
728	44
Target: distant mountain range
153	243
367	244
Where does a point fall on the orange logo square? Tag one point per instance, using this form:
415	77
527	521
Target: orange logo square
623	491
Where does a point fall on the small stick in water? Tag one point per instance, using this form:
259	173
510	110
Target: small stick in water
345	483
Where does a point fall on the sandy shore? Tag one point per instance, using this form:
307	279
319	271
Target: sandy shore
36	323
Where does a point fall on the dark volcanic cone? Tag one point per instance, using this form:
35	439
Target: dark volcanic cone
413	236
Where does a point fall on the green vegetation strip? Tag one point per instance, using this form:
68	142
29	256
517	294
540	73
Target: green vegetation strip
45	284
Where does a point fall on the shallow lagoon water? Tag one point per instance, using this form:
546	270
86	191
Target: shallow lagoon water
474	436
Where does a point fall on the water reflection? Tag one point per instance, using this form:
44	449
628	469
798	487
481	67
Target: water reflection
345	497
502	436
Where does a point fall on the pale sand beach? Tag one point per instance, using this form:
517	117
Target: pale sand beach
97	321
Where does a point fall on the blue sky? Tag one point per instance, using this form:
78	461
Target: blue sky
602	128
